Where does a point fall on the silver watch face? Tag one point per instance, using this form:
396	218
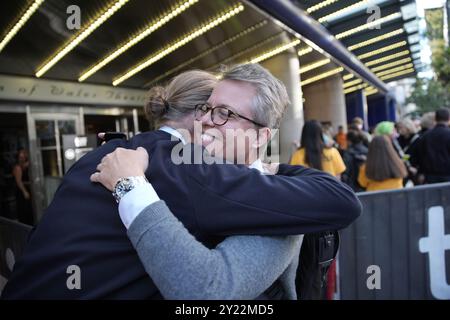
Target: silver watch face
123	186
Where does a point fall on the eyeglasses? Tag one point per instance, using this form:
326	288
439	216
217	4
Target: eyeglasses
219	115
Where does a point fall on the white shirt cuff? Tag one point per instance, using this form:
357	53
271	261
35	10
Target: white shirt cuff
133	202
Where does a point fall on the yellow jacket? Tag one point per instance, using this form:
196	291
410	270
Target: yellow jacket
372	185
332	161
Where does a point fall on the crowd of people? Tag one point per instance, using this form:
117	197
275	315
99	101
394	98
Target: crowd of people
406	153
396	155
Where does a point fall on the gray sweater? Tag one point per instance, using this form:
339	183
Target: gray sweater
240	267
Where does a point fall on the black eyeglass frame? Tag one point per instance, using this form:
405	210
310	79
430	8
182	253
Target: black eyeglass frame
230	113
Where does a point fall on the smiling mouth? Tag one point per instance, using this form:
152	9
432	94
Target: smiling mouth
207	138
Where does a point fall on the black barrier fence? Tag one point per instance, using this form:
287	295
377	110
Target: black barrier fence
399	248
13	237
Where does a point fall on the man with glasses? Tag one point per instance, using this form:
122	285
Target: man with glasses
223	138
232	126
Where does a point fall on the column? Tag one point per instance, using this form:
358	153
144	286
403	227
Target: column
286	67
325	102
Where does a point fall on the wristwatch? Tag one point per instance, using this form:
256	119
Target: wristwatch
125	185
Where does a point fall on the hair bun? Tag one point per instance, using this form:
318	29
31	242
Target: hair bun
157	104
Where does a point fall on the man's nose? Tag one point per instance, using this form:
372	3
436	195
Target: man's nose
206	119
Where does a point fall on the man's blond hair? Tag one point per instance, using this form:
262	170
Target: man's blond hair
271	99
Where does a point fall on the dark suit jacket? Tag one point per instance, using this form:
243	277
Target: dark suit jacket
431	153
82	226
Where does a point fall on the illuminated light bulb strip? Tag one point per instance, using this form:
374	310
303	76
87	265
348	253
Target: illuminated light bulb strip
179	43
370	91
362	44
379	68
321	76
348	76
351	83
391	64
382	59
383	73
304	51
387	58
245	51
376	39
344	34
381	50
393	70
397	74
320	5
343	10
209	51
353	89
81	36
371	24
150	28
19	24
314	65
313	45
274	51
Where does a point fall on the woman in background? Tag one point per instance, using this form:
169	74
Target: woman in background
384	169
313	152
354	157
23	195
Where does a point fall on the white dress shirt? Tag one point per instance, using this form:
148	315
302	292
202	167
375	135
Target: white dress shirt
173	132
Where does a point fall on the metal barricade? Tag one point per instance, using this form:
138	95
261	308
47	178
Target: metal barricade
13	238
397	248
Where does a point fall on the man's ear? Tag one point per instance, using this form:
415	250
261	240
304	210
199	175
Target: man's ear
264	136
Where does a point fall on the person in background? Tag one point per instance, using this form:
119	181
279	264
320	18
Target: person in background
328	134
23	193
341	139
416	121
359	124
407	140
432	155
387	128
354	157
314	153
383	169
426	122
407	134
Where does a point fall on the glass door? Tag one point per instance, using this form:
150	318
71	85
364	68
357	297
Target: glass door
46	155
